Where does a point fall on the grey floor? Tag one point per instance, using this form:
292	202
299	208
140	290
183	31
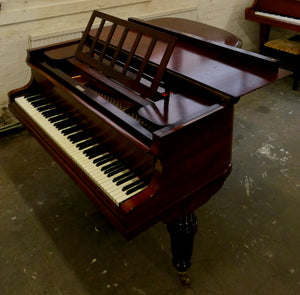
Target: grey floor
248	239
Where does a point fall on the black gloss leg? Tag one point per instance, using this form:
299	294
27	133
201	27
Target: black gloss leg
182	232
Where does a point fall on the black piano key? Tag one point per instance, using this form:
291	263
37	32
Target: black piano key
132	190
87	143
99	159
63	124
110	167
104	159
81	135
75	137
40	102
118	178
58	118
131	185
37	100
45	107
68	122
71	130
34	97
95	151
52	112
119	166
116	170
129	176
100	152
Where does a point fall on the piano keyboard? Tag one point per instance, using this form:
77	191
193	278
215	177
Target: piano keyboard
117	181
295	21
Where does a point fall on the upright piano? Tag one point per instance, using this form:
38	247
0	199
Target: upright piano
278	13
141	118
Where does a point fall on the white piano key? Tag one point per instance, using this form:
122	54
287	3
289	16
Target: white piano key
283	18
111	189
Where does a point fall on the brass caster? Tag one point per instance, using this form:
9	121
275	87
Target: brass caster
184	278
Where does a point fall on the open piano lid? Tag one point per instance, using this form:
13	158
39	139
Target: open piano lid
126	52
137	54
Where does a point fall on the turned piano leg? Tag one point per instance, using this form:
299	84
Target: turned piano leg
182	232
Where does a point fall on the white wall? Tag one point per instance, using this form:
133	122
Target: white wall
21	20
229	15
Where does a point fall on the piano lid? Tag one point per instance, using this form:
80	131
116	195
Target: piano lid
224	70
123	50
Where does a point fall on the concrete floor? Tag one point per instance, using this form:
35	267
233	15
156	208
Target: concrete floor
248	239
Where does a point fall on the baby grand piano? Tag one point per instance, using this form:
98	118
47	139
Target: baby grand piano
279	13
141	118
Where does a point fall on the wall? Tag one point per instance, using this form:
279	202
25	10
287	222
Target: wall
229	15
23	23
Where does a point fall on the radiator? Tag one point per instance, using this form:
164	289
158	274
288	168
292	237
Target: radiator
55	37
69	34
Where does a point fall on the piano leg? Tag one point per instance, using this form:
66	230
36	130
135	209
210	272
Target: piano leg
182	232
264	33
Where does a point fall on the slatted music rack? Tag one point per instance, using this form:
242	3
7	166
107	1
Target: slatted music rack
126	59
